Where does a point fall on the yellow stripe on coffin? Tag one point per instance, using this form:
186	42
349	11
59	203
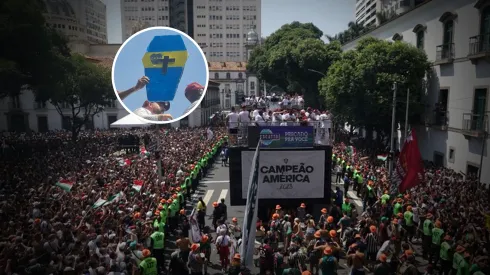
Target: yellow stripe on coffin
154	59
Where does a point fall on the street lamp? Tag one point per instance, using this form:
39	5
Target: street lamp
318	72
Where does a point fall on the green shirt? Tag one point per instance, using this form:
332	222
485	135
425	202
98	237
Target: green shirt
149	266
436	235
397	208
347	208
385	198
163	213
188	182
161	225
408	218
445	247
463	268
174	207
457	257
428	227
158	239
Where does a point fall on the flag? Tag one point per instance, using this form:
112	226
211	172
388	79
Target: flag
99	203
408	170
65	185
124	162
195	231
250	218
137	185
383	157
114	198
143	151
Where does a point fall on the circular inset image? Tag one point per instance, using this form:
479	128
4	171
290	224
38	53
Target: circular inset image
160	74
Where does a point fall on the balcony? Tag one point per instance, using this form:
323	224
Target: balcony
444	54
479	47
475	125
438	120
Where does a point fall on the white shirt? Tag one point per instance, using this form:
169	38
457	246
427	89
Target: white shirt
255	113
259	120
145	113
232	120
244	117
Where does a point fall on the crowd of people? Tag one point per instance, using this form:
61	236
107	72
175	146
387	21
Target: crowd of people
90	208
446	215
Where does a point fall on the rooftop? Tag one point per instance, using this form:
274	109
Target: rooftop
213	66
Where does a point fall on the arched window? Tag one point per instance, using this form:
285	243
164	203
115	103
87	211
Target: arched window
240	75
419	31
228	75
216	75
446	50
397	37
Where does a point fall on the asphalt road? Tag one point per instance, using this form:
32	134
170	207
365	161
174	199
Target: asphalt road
216	186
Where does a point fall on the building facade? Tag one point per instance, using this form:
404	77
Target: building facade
456	37
221	27
373	12
139	14
82	21
234	82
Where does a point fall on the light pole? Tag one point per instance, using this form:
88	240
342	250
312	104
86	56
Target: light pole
406	115
392	144
318	72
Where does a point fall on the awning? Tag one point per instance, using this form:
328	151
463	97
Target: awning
129	121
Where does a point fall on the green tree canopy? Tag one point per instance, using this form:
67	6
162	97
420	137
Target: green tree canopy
287	56
358	87
28	44
78	89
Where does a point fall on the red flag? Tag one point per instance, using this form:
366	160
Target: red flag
409	165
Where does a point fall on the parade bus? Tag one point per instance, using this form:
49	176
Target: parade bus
294	166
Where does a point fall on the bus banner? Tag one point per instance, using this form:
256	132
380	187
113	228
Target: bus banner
276	137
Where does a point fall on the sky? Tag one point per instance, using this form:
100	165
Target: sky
128	68
331	16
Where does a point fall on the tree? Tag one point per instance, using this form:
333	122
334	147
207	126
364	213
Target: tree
358	87
353	31
28	45
78	89
287	56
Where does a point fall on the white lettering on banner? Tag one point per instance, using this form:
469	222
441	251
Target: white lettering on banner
287	174
296	136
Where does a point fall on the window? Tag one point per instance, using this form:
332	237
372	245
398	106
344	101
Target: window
111	119
66	122
240	75
420	40
448	32
252	85
228	75
397	37
216	75
485	30
452	153
42	124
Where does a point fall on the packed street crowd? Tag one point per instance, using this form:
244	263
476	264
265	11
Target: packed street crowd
91	208
88	208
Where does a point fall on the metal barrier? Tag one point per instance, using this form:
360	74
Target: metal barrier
322	131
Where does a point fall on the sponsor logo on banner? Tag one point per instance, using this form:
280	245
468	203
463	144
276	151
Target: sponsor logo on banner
283	136
287	174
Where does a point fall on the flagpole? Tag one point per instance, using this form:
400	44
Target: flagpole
406	114
392	145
